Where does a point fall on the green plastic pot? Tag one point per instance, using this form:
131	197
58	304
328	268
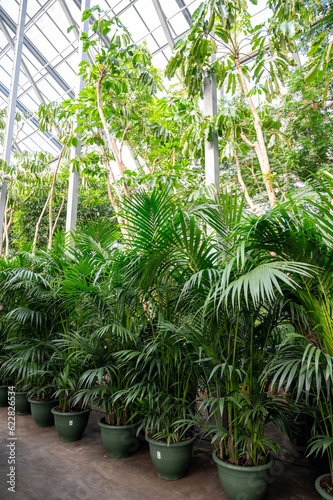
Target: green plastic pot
120	441
171	461
41	412
243	482
3	395
324	495
70	426
22	405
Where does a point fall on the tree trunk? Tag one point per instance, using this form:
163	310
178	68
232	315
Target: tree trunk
58	215
7	233
38	223
111	140
112	198
49	246
254	207
260	146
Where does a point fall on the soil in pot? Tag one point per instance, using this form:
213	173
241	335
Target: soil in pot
324	486
22	405
70	425
120	441
41	412
241	481
171	461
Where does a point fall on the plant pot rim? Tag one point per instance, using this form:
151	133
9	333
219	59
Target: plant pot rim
242	467
20	392
319	489
67	413
108	426
167	445
43	400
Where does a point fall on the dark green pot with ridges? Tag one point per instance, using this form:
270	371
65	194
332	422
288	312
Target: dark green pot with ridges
171	461
324	495
22	405
41	412
120	441
70	426
3	395
243	482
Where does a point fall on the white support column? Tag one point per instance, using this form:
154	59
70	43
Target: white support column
74	177
9	131
211	147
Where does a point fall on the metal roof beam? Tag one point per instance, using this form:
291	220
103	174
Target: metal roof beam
164	23
40	58
10	119
186	13
24	66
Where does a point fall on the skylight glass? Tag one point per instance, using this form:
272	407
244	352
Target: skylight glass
50	52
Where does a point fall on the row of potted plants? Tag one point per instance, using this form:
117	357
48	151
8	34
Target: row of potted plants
175	328
159	397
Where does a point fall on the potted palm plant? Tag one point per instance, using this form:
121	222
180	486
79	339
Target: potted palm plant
70	418
4	382
167	393
15	372
240	404
32	359
106	383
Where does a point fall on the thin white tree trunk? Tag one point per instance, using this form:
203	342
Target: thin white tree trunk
259	146
7	233
49	246
111	140
38	223
58	214
253	206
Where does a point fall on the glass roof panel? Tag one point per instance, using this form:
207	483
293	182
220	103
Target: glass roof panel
170	8
11	8
179	24
133	23
50	53
148	13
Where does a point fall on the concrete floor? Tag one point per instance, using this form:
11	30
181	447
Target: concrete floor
48	469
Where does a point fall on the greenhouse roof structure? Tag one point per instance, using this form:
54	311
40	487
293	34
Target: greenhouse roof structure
50	53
